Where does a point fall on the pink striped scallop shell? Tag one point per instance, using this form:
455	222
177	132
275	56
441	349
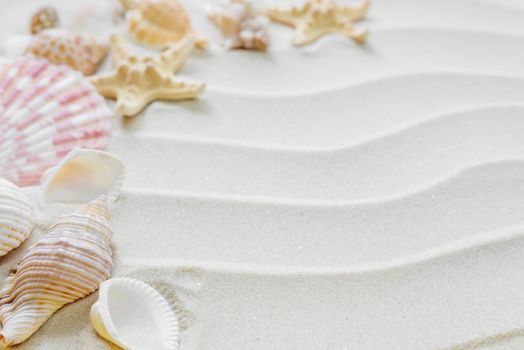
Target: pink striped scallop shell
46	111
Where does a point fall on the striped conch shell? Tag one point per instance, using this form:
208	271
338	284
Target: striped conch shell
16	217
67	264
159	23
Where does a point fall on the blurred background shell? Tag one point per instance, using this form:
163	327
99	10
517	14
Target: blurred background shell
16	217
67	264
46	111
82	52
159	23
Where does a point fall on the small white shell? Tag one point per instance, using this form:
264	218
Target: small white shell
134	316
16	217
82	176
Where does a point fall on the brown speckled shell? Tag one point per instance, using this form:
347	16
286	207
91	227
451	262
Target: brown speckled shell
79	51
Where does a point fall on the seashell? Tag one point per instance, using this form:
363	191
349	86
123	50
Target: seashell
45	112
16	217
159	23
67	264
82	176
242	26
133	315
44	18
81	52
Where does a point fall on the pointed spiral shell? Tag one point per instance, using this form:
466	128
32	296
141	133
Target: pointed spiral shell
67	264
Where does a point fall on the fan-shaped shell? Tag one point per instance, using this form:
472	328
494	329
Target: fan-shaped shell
45	112
67	264
158	23
16	217
133	315
81	52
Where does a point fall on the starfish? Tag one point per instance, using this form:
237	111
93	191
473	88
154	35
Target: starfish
139	80
316	18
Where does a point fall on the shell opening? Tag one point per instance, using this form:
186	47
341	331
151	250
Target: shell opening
83	176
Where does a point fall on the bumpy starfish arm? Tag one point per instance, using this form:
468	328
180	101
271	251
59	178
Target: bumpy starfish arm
107	85
119	50
131	101
175	89
175	56
356	12
311	31
291	17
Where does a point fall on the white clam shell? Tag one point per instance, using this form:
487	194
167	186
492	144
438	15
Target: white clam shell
67	264
46	111
134	316
82	176
16	216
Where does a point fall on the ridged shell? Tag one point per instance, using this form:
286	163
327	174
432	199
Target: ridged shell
67	264
158	23
133	315
16	217
45	112
81	52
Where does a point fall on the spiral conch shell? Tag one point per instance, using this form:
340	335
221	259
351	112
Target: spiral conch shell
16	217
159	23
67	264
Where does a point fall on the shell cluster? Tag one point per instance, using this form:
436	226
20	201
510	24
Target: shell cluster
16	217
67	264
158	23
45	112
44	18
79	51
242	26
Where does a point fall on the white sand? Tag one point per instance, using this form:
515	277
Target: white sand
330	197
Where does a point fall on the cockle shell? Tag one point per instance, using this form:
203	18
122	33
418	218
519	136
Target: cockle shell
16	217
242	26
44	18
67	264
81	52
134	316
46	111
82	176
159	23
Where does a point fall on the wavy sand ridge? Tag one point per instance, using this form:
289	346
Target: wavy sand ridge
220	229
424	304
391	52
385	167
437	254
338	118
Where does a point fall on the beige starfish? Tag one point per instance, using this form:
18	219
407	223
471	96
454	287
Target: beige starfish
139	80
316	18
